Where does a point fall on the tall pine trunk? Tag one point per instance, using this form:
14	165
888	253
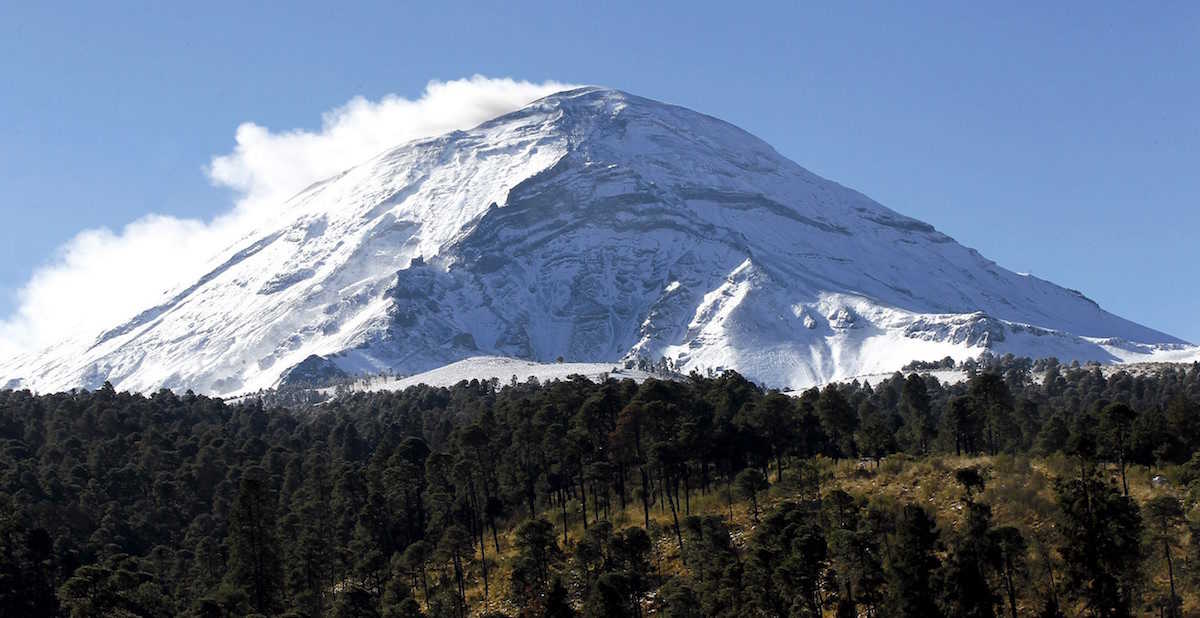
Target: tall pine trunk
1170	577
645	497
674	511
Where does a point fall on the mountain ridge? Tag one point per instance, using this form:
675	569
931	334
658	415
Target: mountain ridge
598	226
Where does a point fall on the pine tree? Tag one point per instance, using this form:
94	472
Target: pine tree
912	563
610	598
717	571
966	587
631	549
26	581
1116	426
774	420
876	435
355	603
453	548
678	600
255	563
558	601
1010	551
1164	515
854	541
788	560
990	396
1101	547
398	601
537	553
838	421
750	483
961	426
917	410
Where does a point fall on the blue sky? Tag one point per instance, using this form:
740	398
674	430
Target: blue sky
1060	140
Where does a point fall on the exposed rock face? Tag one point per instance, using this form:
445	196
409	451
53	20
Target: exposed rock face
314	371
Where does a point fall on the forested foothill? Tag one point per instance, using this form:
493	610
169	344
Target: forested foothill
1030	489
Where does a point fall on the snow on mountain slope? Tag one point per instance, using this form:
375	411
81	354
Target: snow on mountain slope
485	368
597	226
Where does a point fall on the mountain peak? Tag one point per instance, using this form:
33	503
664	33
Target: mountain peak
597	226
585	95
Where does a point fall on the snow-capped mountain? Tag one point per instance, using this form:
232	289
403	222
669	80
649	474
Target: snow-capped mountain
597	226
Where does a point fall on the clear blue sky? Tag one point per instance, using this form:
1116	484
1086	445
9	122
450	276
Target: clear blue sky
1061	140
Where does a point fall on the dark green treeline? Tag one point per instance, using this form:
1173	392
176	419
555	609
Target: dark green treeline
431	500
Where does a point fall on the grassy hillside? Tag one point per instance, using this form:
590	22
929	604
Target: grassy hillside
1020	490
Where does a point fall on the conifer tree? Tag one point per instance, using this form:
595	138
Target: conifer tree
255	560
1116	426
912	563
788	559
838	421
1164	518
1009	549
750	483
537	553
1101	548
917	411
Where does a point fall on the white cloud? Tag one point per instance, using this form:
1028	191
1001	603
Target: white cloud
267	167
101	277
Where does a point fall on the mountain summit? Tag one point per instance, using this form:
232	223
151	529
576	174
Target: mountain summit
592	225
